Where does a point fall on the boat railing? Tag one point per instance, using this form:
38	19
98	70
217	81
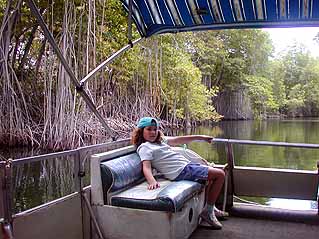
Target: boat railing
282	183
80	157
79	163
265	143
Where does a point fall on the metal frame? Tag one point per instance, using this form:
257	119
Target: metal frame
109	60
95	147
92	215
230	187
82	155
129	21
2	183
229	181
266	143
237	25
318	187
6	200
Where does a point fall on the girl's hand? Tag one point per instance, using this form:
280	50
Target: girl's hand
208	139
153	185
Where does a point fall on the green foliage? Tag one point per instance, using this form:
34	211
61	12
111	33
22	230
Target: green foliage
296	99
2	8
276	74
295	62
261	93
311	88
187	97
295	75
227	56
249	49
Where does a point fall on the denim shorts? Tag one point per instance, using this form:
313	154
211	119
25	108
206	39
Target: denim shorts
193	172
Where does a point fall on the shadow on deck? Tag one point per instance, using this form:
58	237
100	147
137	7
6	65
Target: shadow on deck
244	228
264	223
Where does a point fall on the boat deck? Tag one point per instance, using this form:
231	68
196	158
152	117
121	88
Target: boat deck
245	228
263	222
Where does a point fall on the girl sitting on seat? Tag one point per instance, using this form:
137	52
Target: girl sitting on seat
155	152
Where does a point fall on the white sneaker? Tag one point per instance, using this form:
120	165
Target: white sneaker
221	215
203	223
212	221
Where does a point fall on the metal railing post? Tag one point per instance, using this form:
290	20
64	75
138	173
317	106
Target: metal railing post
2	195
6	177
318	189
82	155
230	175
225	190
77	183
78	174
92	215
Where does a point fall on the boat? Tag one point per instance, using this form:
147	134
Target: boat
73	216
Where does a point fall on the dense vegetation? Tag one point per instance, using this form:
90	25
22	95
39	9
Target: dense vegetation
174	77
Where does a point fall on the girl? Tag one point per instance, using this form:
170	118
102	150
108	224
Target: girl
155	151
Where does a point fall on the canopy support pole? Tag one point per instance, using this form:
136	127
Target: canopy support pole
129	21
109	60
78	85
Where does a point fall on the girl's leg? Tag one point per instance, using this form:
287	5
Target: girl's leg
216	181
215	184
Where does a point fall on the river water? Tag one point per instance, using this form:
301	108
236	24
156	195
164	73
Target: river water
37	183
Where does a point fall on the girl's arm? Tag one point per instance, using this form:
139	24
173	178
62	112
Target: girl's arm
147	171
173	141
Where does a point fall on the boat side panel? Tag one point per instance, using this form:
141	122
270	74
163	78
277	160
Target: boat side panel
61	219
294	184
117	223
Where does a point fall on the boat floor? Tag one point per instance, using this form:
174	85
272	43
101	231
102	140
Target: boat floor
245	228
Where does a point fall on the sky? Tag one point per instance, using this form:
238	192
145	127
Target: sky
283	37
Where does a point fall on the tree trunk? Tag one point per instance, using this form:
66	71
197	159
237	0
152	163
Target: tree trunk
234	105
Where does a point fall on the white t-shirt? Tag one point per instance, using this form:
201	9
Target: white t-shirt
163	158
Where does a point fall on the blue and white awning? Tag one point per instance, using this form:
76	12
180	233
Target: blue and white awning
162	16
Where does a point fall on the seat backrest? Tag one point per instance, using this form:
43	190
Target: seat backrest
121	173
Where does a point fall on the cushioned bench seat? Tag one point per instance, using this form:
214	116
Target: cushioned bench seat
170	197
123	204
122	177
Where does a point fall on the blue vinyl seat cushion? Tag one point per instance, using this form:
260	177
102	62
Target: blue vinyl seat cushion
121	172
170	197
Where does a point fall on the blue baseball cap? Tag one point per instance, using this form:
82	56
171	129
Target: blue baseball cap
147	121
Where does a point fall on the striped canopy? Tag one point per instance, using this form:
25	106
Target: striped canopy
162	16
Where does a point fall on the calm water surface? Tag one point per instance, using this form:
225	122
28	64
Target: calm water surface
292	131
37	183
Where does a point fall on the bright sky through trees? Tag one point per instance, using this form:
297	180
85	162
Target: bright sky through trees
284	37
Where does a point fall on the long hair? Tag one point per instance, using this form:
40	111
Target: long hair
137	137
